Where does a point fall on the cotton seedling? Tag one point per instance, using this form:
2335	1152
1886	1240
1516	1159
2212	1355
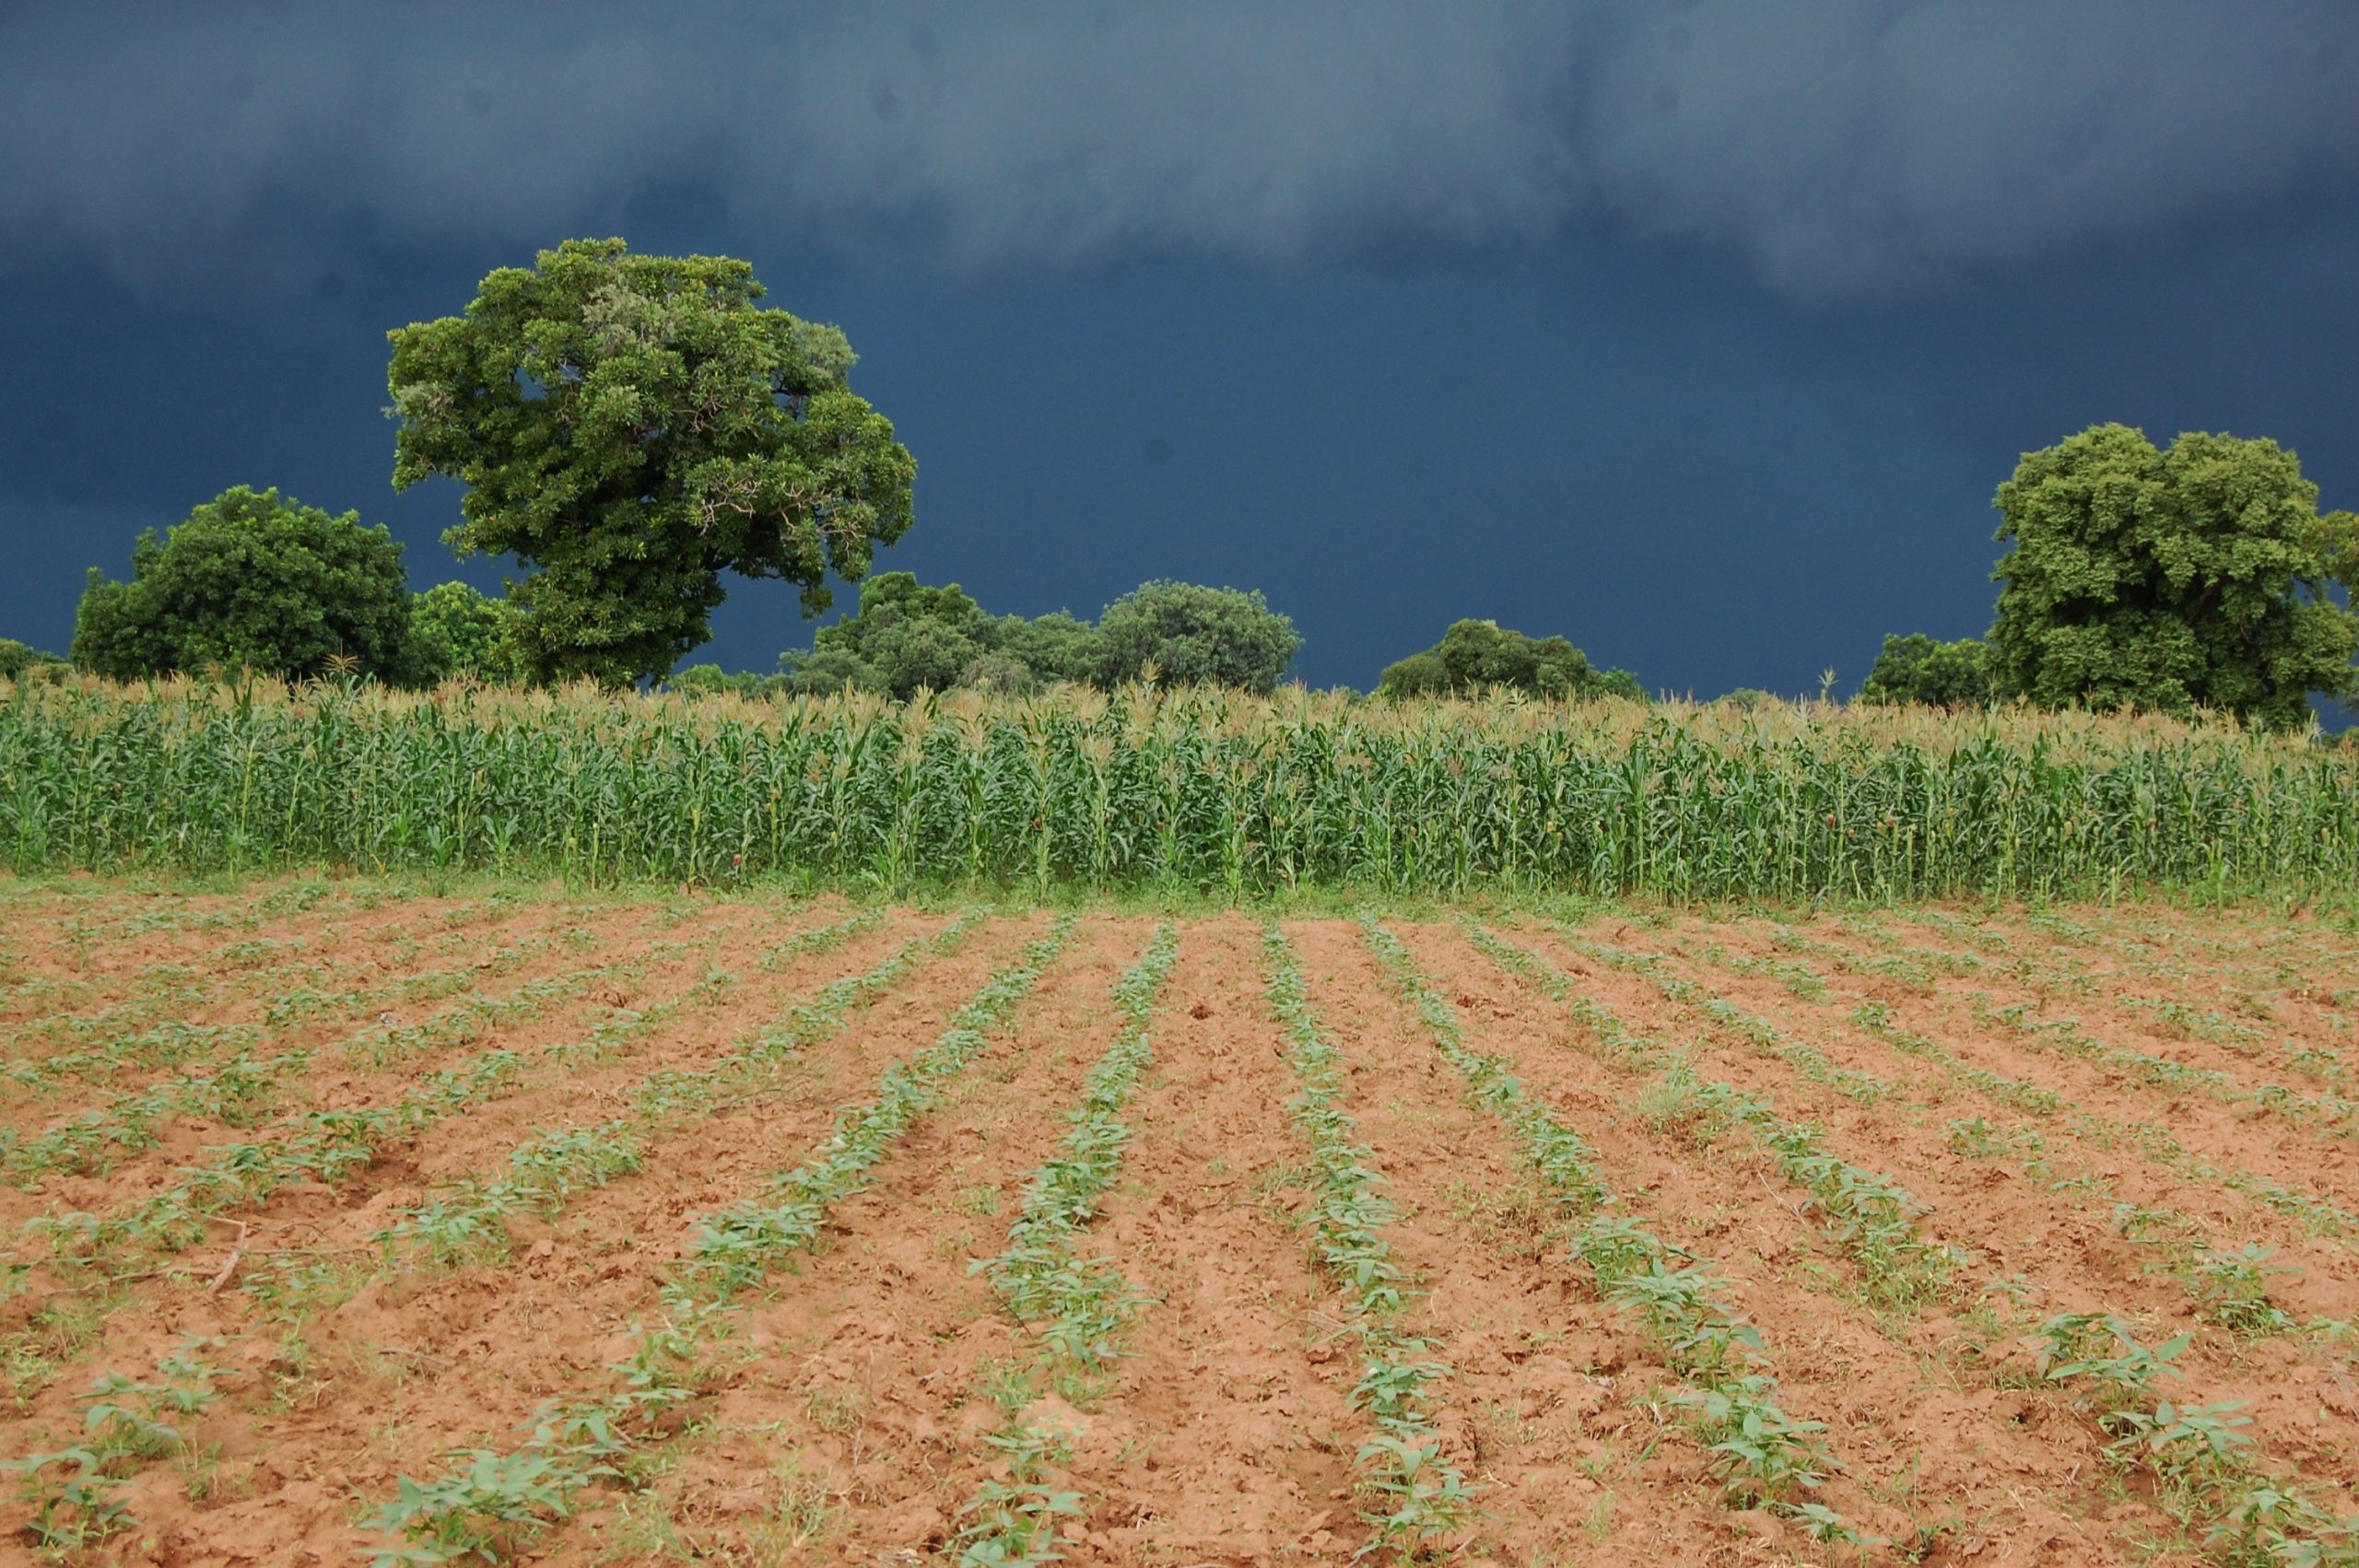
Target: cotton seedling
1421	1497
1766	1456
478	1510
73	1498
2098	1349
2234	1288
1013	1522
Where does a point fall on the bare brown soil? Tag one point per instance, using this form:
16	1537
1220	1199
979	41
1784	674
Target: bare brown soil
846	1415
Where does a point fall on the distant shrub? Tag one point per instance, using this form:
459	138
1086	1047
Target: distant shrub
1483	655
1938	675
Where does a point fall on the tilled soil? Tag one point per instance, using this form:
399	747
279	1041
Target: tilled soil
868	1398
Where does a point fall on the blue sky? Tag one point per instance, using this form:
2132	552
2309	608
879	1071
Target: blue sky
1697	333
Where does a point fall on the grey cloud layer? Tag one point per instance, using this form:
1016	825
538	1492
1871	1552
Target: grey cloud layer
1839	147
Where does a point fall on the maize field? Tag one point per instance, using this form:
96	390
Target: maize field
1168	793
346	1220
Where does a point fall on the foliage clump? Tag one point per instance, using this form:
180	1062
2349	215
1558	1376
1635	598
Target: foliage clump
1920	669
457	633
256	581
1483	655
2194	576
908	637
18	659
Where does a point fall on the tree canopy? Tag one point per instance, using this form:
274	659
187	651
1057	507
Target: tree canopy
907	636
17	657
2168	580
1918	669
630	428
1477	655
256	581
457	632
1191	634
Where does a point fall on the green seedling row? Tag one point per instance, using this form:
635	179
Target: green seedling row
2231	1288
1420	1496
1871	1216
128	1424
2310	1210
2332	1114
491	1497
238	1091
1765	1457
1077	1308
2201	1461
329	1146
471	1226
2051	975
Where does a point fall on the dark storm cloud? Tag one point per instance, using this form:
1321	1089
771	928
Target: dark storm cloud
1839	148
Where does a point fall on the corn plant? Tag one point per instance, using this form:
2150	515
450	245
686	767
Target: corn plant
1168	788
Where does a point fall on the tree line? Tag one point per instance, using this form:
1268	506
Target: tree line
629	428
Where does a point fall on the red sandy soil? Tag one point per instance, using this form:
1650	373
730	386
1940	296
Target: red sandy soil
844	1418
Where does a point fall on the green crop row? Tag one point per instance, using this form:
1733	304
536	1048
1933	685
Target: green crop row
1171	791
1866	1213
1766	1458
490	1497
1076	1307
471	1225
1420	1495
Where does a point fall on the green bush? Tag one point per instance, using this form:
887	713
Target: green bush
253	581
1938	675
1485	656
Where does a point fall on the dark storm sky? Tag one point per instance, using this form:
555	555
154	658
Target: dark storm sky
1699	331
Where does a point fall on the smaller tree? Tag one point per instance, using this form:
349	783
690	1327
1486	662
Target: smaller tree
824	671
252	580
908	637
911	635
17	660
1195	635
456	633
1055	647
1917	669
1479	655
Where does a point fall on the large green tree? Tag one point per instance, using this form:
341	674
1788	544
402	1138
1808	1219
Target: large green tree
1193	634
630	428
256	581
2198	575
1479	655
